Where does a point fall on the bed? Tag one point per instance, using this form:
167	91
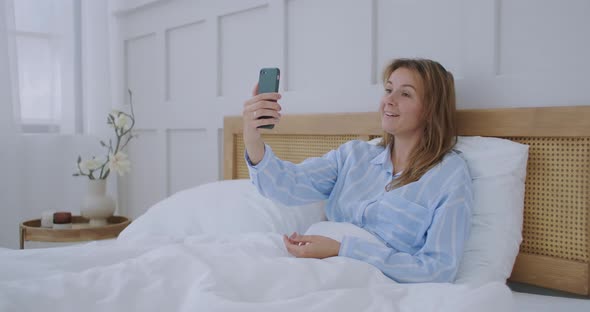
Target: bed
221	257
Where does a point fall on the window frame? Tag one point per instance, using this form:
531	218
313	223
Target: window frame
66	72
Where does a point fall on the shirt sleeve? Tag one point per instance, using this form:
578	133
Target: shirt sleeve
438	260
294	184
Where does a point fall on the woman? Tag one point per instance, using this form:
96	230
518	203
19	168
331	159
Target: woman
412	191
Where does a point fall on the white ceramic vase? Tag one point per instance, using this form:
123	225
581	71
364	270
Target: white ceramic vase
97	205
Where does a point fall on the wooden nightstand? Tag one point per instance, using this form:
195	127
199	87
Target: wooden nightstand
81	231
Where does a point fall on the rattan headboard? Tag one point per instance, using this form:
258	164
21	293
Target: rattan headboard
556	230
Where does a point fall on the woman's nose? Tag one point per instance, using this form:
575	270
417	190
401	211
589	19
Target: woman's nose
390	100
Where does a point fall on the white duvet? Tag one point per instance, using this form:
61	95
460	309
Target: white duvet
250	272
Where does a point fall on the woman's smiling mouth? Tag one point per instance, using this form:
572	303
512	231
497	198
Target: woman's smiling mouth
389	114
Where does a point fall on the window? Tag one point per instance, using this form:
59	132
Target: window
47	51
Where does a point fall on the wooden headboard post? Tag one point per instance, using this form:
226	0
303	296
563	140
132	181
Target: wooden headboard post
555	252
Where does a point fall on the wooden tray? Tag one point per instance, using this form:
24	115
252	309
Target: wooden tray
81	230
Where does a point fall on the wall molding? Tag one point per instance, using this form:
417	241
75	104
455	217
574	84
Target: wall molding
374	22
128	7
284	43
192	23
125	64
167	31
218	62
219	39
168	133
497	37
243	10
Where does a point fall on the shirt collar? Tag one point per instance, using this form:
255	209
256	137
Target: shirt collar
384	159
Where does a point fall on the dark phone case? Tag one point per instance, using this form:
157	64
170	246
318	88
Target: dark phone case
268	82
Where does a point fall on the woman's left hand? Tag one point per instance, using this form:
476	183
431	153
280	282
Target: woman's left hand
311	246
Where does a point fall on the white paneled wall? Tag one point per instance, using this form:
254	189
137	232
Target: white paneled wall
189	63
184	65
148	182
428	28
554	35
141	75
185	158
240	57
323	53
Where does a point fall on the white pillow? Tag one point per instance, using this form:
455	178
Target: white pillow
498	169
223	207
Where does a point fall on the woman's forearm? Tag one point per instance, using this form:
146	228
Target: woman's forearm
255	151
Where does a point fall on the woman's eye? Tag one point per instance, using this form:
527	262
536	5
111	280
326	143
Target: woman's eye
388	91
406	94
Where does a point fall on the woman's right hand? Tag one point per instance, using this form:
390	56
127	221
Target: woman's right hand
264	104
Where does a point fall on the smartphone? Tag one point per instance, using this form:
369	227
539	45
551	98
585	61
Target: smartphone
268	82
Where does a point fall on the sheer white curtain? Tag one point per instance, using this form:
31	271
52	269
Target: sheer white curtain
11	162
37	168
48	58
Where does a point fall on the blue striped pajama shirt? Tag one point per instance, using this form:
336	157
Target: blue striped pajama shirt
422	225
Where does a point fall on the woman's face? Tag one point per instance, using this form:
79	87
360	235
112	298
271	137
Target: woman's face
401	105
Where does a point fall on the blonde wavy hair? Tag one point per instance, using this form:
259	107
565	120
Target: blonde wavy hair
439	114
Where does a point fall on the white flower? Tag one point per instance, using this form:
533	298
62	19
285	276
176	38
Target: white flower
122	123
114	114
120	120
119	163
89	165
115	160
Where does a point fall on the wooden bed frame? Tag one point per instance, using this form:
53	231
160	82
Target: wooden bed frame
555	252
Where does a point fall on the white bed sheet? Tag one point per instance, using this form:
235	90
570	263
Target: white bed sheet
251	272
524	302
